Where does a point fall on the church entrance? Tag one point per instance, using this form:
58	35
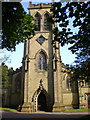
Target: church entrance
42	102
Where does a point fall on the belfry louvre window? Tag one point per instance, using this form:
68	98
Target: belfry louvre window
41	61
37	21
47	25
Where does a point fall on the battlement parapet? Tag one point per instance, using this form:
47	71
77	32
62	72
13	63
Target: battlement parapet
39	6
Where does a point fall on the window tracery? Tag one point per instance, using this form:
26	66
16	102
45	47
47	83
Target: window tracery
37	21
47	25
41	39
41	61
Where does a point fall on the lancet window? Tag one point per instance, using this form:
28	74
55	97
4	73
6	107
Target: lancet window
47	25
68	84
37	21
41	61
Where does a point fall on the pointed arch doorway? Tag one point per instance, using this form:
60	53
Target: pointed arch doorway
41	101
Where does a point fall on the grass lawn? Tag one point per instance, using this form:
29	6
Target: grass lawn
73	110
9	109
66	110
77	110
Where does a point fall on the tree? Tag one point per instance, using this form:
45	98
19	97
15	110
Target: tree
82	72
5	83
17	26
78	13
5	75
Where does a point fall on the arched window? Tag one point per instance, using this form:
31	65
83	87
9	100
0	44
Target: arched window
41	61
47	25
37	21
68	84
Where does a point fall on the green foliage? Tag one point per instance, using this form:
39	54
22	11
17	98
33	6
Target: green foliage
17	26
5	75
79	13
10	71
81	72
74	15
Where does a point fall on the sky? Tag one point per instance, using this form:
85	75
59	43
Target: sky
15	58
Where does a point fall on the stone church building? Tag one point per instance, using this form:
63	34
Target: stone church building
43	82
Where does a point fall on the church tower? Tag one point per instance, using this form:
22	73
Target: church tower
38	62
46	85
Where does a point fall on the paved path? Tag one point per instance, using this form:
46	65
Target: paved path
42	116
